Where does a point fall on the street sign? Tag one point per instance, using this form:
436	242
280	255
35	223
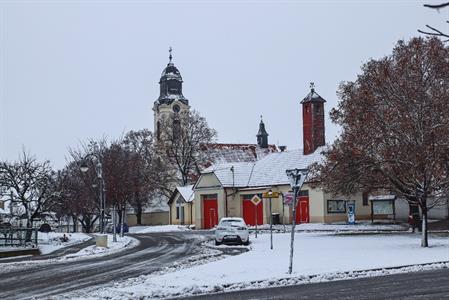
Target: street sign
296	177
256	200
288	199
270	195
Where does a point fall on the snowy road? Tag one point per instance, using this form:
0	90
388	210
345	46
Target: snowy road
155	251
419	285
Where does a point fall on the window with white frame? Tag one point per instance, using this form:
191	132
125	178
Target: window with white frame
336	206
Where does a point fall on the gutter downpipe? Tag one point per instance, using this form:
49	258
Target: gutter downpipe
226	192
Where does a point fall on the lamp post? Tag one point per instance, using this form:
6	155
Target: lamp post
270	194
99	170
296	177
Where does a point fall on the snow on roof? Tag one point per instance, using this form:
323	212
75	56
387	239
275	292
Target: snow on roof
223	153
267	171
186	192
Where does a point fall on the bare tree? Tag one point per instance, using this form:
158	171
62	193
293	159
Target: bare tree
180	143
29	183
395	128
432	31
150	177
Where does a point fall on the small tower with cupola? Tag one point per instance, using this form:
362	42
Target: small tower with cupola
262	135
170	100
313	121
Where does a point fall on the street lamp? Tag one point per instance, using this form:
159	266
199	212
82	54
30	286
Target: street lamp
99	170
296	178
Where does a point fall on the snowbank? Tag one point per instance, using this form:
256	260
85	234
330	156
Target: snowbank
337	227
318	257
89	252
113	247
50	242
160	228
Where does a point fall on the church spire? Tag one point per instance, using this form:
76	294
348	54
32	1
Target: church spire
170	57
262	135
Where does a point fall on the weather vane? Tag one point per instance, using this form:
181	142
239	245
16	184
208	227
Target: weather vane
312	86
170	50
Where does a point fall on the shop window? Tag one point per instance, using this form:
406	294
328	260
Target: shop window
336	206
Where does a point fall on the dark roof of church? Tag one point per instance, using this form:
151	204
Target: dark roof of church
171	78
262	130
170	72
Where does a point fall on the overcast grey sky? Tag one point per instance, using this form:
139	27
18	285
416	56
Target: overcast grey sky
72	70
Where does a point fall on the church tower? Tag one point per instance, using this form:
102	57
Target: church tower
171	100
313	121
262	135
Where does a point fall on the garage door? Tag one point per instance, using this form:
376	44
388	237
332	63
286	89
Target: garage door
302	210
249	212
210	212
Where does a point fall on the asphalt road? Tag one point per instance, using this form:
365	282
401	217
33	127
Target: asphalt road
419	285
155	251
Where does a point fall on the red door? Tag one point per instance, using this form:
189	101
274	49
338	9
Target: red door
302	210
210	213
249	212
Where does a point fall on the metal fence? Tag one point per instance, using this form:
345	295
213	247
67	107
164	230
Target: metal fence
18	236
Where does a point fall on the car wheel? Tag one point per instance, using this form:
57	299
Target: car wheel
246	243
217	243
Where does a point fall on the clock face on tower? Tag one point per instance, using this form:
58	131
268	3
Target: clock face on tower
176	108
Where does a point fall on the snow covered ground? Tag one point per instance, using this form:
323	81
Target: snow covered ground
157	228
318	257
113	247
50	242
123	243
338	227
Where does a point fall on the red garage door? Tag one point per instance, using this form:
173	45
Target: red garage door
210	212
302	210
249	212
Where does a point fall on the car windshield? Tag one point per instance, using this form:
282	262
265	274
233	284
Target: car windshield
232	223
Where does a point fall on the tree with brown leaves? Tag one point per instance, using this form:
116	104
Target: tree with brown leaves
395	128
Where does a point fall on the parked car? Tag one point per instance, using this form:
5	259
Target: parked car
232	231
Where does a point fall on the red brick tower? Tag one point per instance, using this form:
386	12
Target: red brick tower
312	121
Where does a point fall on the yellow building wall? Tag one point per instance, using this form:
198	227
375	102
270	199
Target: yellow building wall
318	213
154	218
362	212
189	212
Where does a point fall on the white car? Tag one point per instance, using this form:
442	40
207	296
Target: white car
232	231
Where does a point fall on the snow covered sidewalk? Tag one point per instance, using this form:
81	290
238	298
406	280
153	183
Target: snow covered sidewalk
157	228
113	247
123	243
318	257
52	241
358	227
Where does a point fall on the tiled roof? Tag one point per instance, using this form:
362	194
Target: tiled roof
267	171
223	153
